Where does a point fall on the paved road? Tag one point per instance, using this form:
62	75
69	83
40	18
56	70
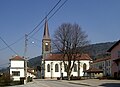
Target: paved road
49	83
78	83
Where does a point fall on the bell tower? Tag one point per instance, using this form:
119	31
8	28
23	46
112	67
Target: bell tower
46	46
46	41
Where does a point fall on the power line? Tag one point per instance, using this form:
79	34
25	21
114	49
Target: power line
44	17
8	45
50	17
12	43
34	28
57	9
35	39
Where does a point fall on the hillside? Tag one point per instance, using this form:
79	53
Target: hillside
34	62
97	49
93	50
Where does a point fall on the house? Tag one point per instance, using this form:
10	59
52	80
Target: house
31	72
103	63
52	63
17	69
93	72
115	59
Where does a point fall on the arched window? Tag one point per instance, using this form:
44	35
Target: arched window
48	68
56	68
84	67
75	68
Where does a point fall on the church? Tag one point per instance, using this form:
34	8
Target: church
52	63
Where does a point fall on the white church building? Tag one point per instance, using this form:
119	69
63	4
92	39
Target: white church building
52	64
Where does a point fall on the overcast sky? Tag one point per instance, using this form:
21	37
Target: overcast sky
100	19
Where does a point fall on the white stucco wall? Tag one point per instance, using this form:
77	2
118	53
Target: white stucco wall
58	74
52	73
16	63
17	78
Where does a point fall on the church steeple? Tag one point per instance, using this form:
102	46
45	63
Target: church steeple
46	31
46	46
46	41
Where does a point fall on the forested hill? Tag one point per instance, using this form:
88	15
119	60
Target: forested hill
93	50
97	49
34	62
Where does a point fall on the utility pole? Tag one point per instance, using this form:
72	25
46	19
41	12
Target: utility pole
25	56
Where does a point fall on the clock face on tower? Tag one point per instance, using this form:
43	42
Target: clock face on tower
46	47
46	43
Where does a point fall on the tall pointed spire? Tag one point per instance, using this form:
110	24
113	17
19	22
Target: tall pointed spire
46	46
46	31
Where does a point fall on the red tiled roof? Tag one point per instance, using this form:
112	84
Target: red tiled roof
93	70
102	59
17	58
59	57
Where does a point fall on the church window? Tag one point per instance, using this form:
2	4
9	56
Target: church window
84	67
75	68
48	68
56	68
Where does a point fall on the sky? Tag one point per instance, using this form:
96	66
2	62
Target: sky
100	19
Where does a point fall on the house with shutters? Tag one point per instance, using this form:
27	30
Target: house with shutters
103	63
52	63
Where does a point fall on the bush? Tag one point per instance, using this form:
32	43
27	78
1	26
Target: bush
110	77
29	79
5	79
58	78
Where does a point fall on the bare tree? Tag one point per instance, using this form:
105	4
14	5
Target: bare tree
68	39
